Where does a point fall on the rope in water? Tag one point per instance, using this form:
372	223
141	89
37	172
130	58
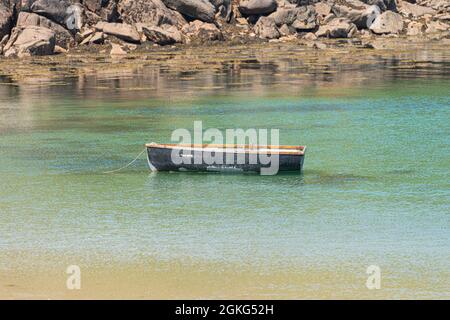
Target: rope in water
129	164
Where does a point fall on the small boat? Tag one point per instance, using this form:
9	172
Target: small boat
225	158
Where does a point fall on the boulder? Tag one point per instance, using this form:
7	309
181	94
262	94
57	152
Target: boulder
64	38
285	30
122	31
151	12
443	16
284	15
87	39
30	41
162	36
223	9
94	38
413	10
337	28
310	36
257	7
322	9
387	22
266	28
328	18
360	14
81	36
3	42
242	21
59	50
383	4
106	9
6	20
97	38
198	30
96	5
414	28
306	19
195	9
436	26
298	2
55	10
301	18
441	5
13	5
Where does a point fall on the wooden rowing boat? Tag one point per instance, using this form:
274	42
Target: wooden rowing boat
223	158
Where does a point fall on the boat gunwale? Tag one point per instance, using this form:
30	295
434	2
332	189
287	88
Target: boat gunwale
293	150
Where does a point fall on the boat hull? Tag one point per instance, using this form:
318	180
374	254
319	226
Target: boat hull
168	159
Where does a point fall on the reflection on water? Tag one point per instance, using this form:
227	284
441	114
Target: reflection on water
375	188
191	73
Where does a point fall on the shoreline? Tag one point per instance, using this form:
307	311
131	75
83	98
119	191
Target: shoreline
121	27
196	58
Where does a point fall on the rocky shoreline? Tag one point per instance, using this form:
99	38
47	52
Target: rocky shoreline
46	27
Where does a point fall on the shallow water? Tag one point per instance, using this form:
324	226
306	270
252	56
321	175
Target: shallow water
375	188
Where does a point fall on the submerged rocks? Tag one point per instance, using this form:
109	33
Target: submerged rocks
337	28
194	9
266	28
117	50
387	22
122	31
31	40
63	37
153	12
257	7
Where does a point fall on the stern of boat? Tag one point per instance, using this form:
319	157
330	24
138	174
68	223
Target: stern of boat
148	148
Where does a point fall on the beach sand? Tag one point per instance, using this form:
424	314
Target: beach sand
46	278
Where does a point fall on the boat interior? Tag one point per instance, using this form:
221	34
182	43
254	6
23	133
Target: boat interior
272	149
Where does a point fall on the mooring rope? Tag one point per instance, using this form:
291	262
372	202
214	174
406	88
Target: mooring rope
129	164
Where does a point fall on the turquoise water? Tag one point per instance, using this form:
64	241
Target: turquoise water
375	188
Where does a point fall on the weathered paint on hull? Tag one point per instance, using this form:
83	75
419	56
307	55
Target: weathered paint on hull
160	159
